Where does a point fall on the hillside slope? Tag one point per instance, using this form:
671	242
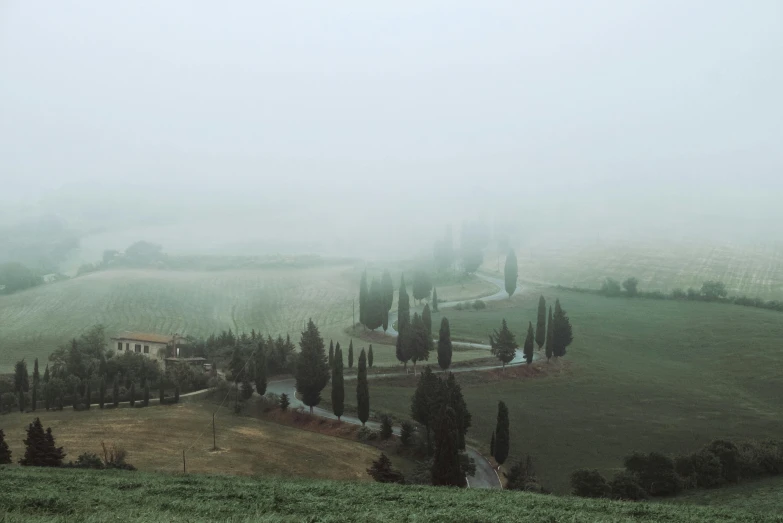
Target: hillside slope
59	495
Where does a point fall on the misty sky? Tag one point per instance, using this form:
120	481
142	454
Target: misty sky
349	110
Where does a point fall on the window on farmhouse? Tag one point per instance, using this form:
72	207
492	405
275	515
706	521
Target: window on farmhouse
119	346
127	346
138	347
146	349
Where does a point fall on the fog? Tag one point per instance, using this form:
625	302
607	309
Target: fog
363	128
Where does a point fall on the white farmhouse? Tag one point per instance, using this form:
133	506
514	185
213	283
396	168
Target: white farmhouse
154	346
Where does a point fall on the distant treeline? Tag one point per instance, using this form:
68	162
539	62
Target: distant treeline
710	291
41	244
146	255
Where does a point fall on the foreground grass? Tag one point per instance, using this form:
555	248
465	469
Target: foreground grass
69	495
765	496
641	375
156	436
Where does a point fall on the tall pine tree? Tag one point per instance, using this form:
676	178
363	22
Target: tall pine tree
541	323
435	300
350	354
36	373
369	357
420	341
502	436
426	317
423	402
446	465
260	370
511	272
40	449
312	370
330	361
387	288
362	390
529	346
364	294
444	344
338	384
562	334
549	347
403	323
504	345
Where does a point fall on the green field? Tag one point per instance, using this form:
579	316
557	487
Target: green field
746	270
275	301
156	436
71	495
764	496
641	375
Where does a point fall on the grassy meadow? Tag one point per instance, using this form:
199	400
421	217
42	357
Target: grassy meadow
32	495
156	436
764	496
752	270
275	301
641	375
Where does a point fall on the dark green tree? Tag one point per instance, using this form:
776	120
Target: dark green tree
40	449
420	341
403	352
472	258
102	392
34	399
115	392
36	373
631	286
330	361
451	395
541	323
132	394
260	371
5	452
376	314
382	471
338	384
21	376
562	334
423	401
146	400
435	300
387	291
502	437
87	395
426	317
362	390
312	371
350	354
364	295
549	346
247	386
102	365
22	400
511	272
176	393
530	344
46	374
422	285
284	402
446	465
504	345
369	357
387	429
444	344
236	365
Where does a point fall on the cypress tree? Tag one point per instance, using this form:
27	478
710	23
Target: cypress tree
102	392
34	402
541	323
504	345
446	465
40	449
403	323
338	384
422	403
331	353
61	399
420	341
562	334
435	300
47	394
362	390
387	289
502	437
369	357
132	394
363	299
511	272
5	452
21	376
451	395
115	392
426	317
146	393
260	372
312	370
529	344
46	374
444	344
350	354
376	313
36	373
22	401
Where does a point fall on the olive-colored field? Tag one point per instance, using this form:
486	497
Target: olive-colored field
156	436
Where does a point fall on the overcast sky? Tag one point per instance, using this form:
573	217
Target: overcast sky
365	106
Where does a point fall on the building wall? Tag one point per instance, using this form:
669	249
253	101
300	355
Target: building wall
130	346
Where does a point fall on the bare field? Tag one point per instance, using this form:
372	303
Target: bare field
755	271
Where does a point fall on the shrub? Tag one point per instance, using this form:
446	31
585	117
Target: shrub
759	458
611	287
386	427
522	476
115	458
655	473
728	454
589	484
382	471
284	403
406	433
625	486
366	434
478	305
679	294
88	460
707	470
459	306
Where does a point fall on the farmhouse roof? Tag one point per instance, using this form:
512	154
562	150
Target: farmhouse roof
145	336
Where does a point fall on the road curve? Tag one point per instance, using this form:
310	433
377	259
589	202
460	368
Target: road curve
485	476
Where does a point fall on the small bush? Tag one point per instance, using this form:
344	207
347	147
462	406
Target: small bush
478	305
382	471
522	476
88	460
366	434
284	403
406	433
386	427
728	454
115	458
625	486
459	306
655	473
589	484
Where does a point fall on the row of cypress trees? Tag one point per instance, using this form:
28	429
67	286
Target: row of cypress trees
331	356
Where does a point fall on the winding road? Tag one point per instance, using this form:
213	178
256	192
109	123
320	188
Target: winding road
485	476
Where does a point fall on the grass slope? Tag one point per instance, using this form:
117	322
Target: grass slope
156	436
67	495
764	496
640	375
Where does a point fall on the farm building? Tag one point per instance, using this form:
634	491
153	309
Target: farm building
156	346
